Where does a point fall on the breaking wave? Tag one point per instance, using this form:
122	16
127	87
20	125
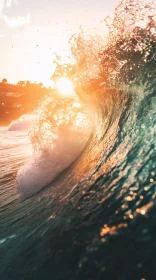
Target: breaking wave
21	124
96	220
61	132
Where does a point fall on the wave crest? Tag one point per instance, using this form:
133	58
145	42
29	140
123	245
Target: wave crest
23	123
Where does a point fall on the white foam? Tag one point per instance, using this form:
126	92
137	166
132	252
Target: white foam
21	124
41	170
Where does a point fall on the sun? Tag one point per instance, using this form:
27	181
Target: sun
64	86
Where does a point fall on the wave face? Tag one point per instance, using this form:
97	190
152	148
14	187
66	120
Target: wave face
97	219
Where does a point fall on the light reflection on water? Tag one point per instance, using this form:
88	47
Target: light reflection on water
15	150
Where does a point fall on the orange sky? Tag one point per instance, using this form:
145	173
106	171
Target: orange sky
30	31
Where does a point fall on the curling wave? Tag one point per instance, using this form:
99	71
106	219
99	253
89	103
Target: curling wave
97	218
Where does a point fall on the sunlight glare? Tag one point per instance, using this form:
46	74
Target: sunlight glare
64	86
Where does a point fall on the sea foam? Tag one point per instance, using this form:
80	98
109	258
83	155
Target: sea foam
22	124
50	161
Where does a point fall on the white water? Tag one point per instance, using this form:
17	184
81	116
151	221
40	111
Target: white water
45	164
43	168
24	123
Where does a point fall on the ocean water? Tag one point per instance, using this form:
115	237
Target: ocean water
24	123
97	218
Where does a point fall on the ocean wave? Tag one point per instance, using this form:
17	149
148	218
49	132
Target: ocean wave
23	123
60	133
97	218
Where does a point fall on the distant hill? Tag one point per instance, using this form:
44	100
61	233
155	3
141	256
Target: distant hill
16	100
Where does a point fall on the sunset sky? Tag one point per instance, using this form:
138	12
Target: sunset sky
31	30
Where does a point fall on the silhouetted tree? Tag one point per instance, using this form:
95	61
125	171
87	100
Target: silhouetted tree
21	83
41	85
4	81
28	83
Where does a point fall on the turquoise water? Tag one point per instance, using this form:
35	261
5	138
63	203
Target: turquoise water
96	220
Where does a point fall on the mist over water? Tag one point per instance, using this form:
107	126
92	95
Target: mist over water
96	220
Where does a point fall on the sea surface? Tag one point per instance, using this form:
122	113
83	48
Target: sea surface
96	217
